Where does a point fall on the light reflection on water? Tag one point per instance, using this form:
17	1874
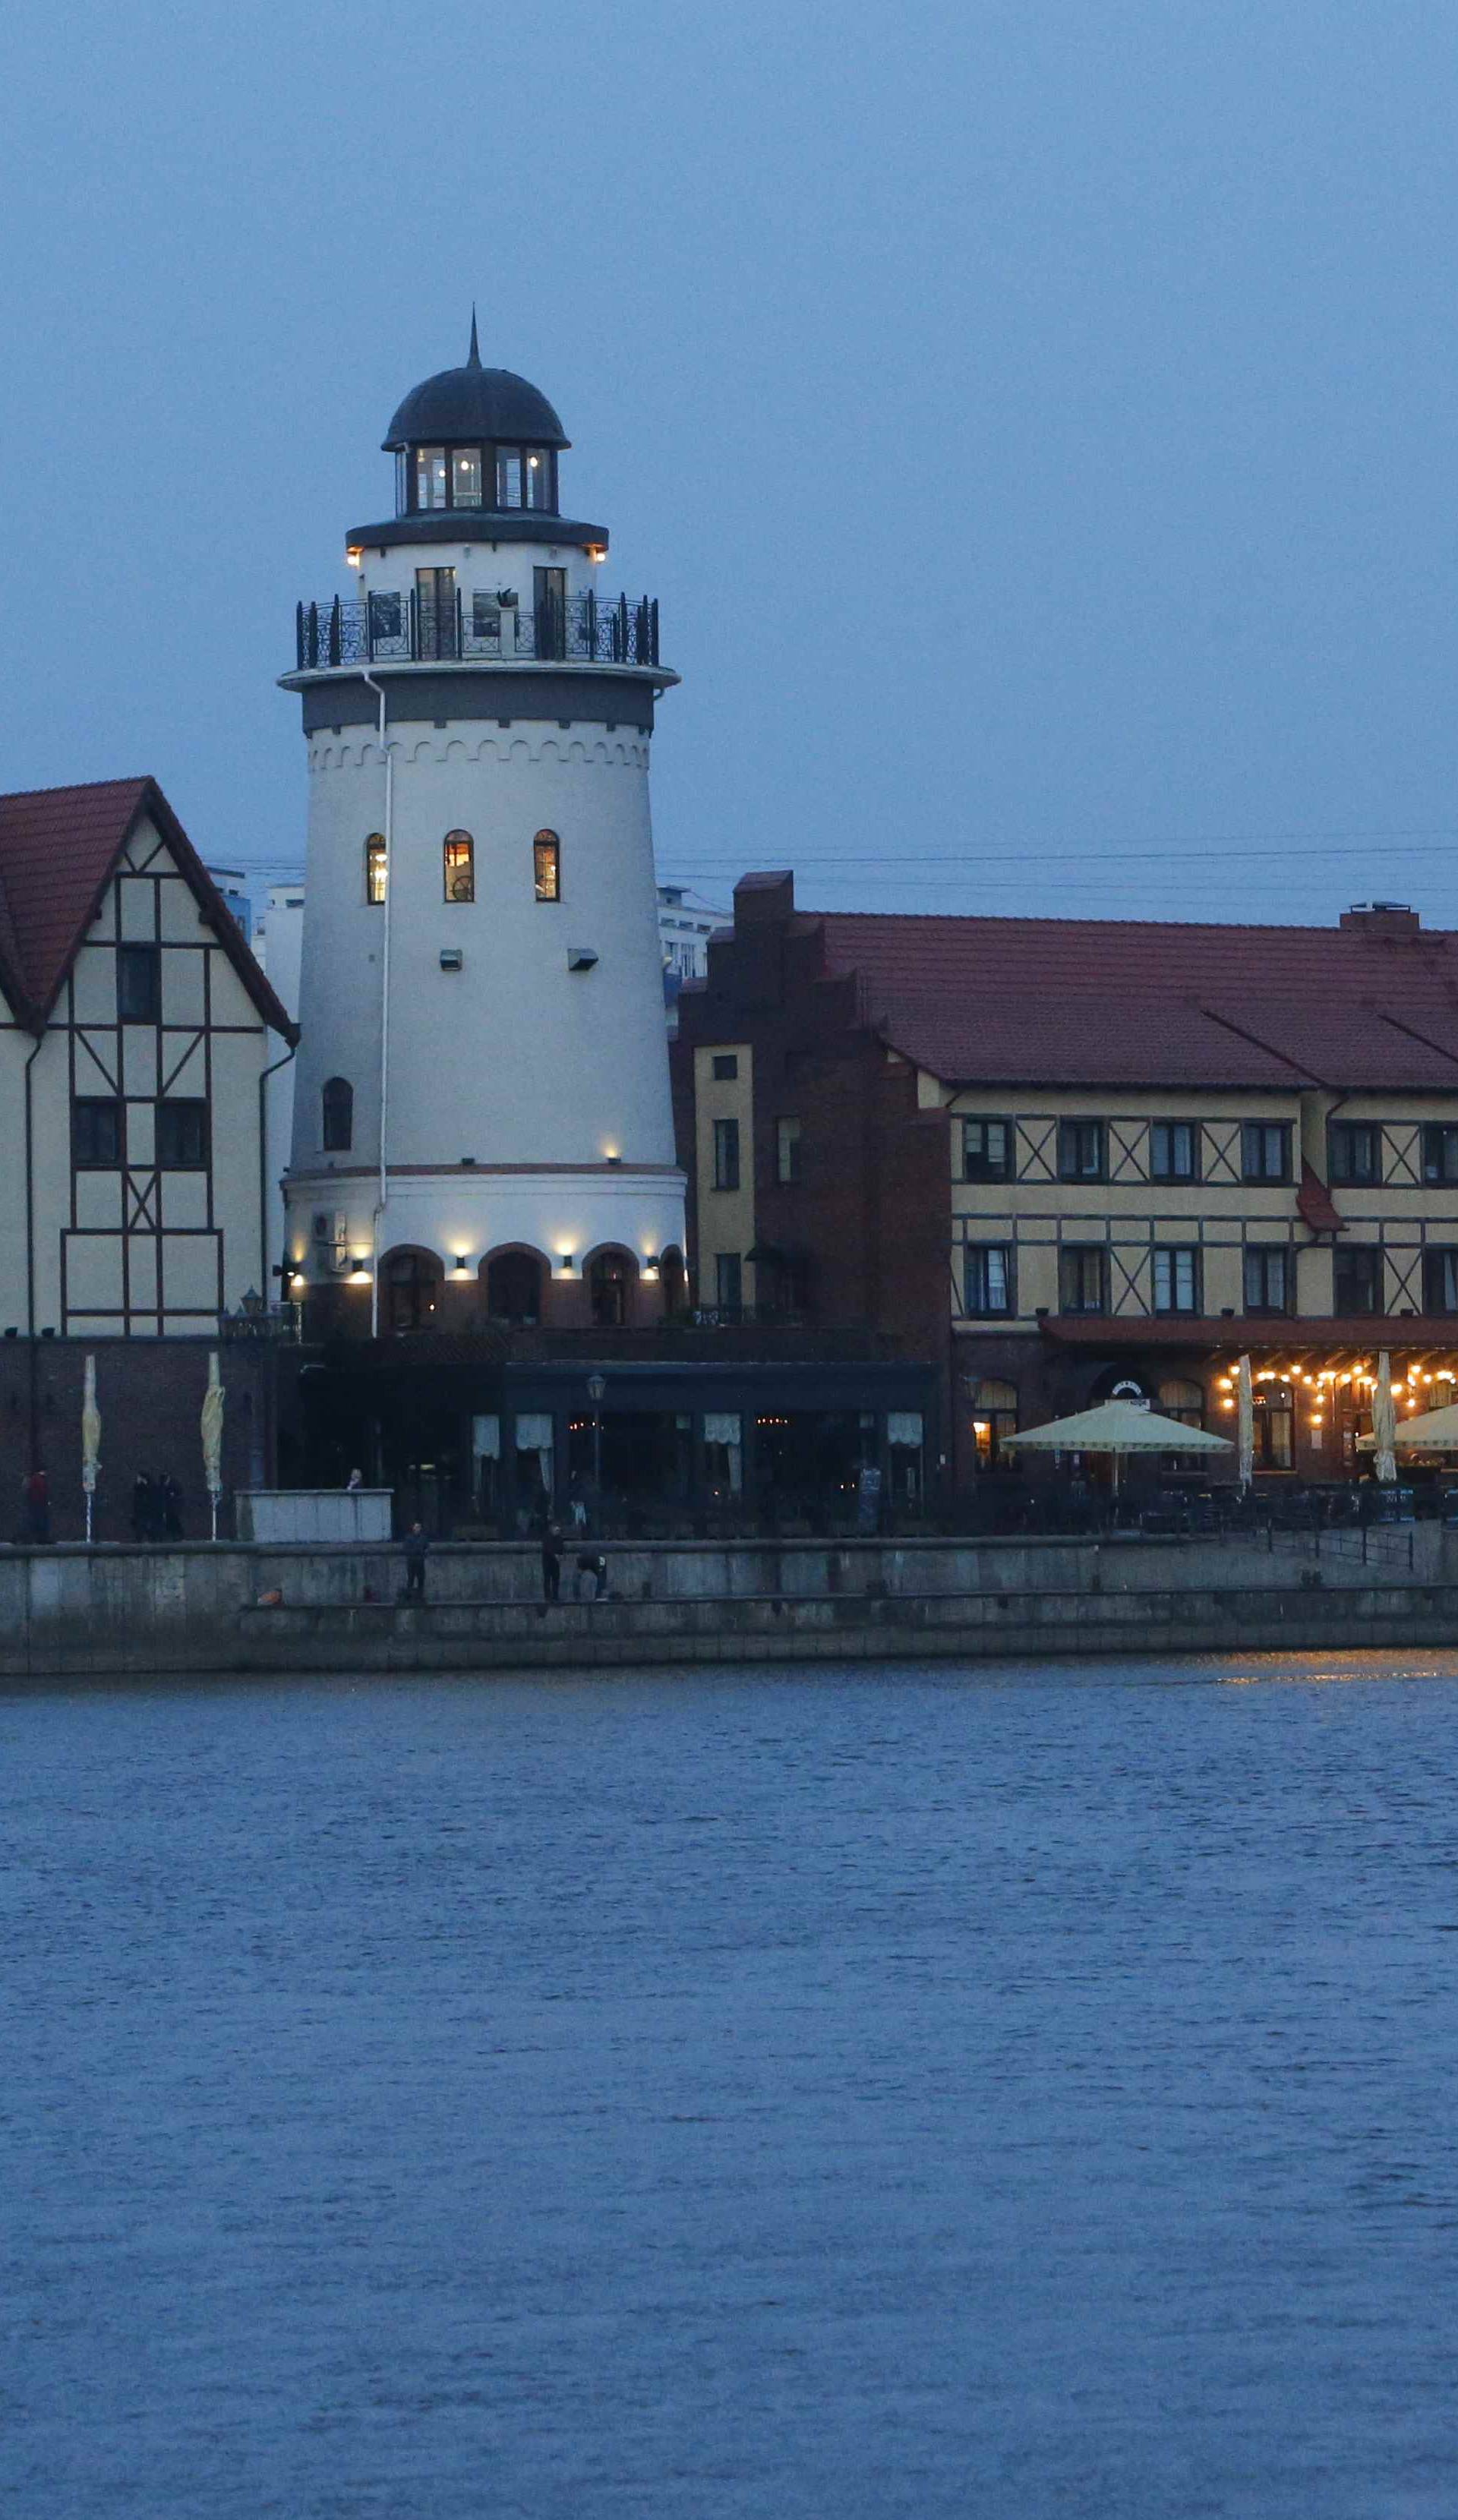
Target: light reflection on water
1017	2091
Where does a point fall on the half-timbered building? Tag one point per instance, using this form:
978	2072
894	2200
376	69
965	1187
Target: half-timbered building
1070	1157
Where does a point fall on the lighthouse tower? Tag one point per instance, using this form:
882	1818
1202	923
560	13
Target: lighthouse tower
483	1126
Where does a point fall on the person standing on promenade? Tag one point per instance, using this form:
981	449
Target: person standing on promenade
551	1564
416	1549
37	1494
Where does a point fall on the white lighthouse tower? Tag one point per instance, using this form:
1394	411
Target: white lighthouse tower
482	1127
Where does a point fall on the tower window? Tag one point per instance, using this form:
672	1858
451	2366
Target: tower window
139	984
339	1115
432	476
465	476
538	481
546	865
508	477
182	1136
460	867
376	867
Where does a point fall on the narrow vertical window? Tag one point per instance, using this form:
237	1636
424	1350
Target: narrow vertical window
726	1154
376	871
339	1115
786	1150
465	476
429	477
460	867
538	481
508	477
546	865
139	984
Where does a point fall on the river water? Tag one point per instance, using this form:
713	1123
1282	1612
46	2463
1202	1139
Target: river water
1019	2091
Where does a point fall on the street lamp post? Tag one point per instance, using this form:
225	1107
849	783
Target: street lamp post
596	1391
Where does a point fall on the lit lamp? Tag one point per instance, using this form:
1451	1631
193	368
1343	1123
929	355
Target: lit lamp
567	1262
359	1275
650	1264
462	1263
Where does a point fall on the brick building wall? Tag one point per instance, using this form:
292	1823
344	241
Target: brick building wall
149	1395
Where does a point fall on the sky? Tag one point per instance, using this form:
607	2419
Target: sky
1034	417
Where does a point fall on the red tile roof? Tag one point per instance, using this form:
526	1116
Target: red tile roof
59	848
1114	1002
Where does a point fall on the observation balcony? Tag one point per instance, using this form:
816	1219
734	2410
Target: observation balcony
414	629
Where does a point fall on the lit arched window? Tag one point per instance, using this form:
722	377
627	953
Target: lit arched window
546	865
514	1286
460	867
339	1115
375	868
1184	1401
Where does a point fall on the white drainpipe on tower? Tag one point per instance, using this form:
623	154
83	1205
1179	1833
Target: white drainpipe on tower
388	750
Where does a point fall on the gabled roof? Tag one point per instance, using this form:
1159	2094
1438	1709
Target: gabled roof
59	850
1140	1002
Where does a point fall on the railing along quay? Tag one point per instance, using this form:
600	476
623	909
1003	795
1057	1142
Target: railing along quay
408	629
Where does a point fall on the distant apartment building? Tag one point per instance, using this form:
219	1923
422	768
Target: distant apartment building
1071	1158
686	924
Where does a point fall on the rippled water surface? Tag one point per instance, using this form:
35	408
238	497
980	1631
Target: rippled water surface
1010	2093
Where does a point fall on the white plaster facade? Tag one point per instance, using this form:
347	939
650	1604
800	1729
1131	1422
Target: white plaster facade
140	1245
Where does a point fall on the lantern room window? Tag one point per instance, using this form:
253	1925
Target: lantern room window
432	476
465	476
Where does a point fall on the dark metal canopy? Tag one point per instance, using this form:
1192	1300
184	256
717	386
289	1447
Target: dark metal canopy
475	404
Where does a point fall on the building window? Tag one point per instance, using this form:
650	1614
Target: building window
96	1136
539	479
1274	1427
1441	1278
339	1115
728	1282
459	854
609	1289
726	1154
987	1279
1266	1150
1268	1278
139	984
1440	1151
508	477
725	1067
376	869
1176	1279
430	476
514	1287
786	1150
1354	1152
1080	1151
1182	1401
182	1136
986	1151
546	865
465	476
1083	1278
1173	1150
995	1418
1356	1279
411	1280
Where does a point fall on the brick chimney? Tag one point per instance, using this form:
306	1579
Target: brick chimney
764	900
1381	919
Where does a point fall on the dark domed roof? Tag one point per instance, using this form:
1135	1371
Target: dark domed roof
476	402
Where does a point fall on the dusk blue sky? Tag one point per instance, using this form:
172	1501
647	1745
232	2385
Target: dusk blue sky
1037	418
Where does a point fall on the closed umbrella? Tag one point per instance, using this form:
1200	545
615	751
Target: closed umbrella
212	1435
1383	1423
1119	1428
1244	1422
90	1440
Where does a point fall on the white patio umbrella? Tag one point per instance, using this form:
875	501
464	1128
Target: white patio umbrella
90	1440
212	1435
1434	1431
1244	1422
1383	1423
1119	1428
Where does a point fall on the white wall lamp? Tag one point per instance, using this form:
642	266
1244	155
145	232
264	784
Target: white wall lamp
567	1262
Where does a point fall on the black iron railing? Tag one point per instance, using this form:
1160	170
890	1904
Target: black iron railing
411	629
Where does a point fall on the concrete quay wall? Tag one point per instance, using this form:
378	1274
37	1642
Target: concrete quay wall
76	1612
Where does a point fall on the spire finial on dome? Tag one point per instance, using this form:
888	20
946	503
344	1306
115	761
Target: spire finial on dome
473	361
